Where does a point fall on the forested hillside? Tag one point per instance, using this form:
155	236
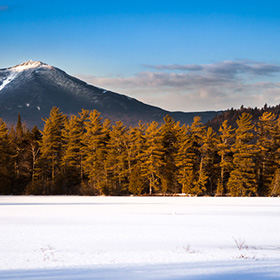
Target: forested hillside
86	155
231	115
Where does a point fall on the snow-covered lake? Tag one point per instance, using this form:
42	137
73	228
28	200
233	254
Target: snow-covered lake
139	238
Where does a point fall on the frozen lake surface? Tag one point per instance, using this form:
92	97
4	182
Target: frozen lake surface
139	238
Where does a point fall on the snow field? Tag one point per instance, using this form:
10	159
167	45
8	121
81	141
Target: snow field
144	237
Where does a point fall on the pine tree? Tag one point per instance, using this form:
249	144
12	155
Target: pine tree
105	175
197	177
12	132
267	146
22	164
91	145
49	163
224	151
169	133
5	160
184	160
19	129
117	159
72	154
34	139
136	181
153	157
208	161
275	184
136	142
242	180
191	172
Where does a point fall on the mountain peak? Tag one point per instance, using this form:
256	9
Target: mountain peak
29	64
27	68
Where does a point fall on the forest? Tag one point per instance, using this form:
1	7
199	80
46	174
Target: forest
86	155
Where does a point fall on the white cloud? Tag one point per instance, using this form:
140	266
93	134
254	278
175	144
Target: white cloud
214	86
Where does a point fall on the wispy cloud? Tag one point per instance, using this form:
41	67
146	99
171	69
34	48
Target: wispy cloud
200	87
225	68
189	67
232	69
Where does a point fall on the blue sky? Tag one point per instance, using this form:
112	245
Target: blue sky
179	55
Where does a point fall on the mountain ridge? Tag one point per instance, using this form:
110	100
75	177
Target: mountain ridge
34	87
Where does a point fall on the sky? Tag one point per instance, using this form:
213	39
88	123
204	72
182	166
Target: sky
177	55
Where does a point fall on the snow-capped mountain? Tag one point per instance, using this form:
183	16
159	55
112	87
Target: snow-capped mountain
33	88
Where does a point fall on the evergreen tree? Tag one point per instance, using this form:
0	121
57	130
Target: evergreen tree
197	177
136	142
12	132
136	180
224	151
169	133
117	159
105	175
34	139
267	147
242	180
152	160
91	145
49	163
275	184
19	129
72	154
184	160
191	172
6	170
208	161
21	156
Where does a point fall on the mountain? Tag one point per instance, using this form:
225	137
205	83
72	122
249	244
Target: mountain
33	88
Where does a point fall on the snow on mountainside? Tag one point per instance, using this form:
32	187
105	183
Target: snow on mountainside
28	65
9	74
6	80
33	88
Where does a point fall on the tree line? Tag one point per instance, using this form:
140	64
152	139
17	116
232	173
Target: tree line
232	115
85	155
